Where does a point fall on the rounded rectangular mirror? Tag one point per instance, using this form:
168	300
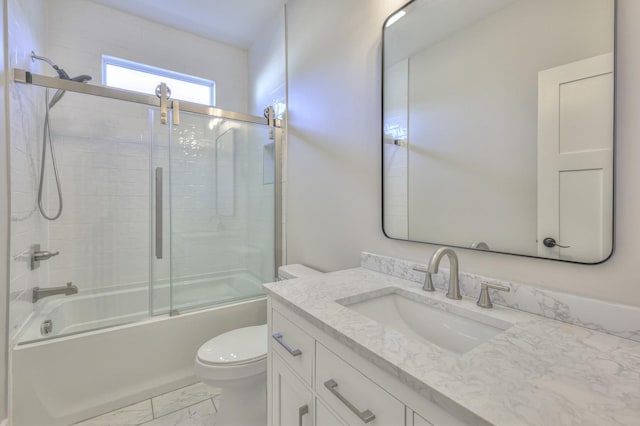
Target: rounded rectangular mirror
498	126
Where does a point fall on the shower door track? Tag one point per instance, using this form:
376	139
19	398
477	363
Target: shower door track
27	77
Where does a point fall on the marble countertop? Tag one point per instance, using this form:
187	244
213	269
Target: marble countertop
537	372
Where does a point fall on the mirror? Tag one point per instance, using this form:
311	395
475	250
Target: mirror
498	125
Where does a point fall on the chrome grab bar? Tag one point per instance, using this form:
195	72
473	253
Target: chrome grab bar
159	212
279	339
366	416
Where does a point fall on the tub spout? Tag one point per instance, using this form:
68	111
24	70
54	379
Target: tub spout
40	293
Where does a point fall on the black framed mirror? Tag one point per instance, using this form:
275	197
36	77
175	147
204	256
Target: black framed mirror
498	126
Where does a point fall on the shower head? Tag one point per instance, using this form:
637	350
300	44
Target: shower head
82	78
60	93
63	75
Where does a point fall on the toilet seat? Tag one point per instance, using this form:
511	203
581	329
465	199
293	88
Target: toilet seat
237	354
239	346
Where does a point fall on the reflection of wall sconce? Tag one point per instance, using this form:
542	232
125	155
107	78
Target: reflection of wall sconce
395	18
279	108
214	122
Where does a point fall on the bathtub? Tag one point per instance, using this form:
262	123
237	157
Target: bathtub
105	351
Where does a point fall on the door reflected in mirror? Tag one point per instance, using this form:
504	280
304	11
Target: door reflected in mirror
498	120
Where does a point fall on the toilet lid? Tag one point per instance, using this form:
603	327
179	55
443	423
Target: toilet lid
237	346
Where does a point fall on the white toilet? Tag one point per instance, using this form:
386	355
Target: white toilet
236	362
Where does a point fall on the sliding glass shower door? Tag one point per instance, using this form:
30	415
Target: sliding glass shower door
222	214
157	217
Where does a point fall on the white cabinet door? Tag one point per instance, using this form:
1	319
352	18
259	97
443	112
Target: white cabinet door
292	401
419	421
575	159
324	417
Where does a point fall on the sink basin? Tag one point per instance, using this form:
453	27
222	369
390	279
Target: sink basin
458	331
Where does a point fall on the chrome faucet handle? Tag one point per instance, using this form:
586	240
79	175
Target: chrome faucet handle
36	256
428	281
484	301
44	255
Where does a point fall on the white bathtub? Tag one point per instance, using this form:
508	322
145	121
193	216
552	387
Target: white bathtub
118	305
73	374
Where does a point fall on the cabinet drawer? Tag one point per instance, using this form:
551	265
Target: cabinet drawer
294	345
352	395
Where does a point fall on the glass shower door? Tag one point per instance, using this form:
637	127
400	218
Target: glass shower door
102	149
222	211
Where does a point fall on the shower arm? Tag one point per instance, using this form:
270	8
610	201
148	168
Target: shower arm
61	73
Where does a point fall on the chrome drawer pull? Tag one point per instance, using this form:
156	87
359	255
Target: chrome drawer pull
366	416
293	352
301	412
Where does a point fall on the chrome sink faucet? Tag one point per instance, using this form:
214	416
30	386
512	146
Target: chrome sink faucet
454	284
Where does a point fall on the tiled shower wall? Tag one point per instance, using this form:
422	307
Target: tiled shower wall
103	148
209	217
104	154
26	111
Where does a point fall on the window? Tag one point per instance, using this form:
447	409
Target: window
143	78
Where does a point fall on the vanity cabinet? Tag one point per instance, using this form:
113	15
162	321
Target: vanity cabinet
314	380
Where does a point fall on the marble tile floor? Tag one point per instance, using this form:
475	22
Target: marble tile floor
194	405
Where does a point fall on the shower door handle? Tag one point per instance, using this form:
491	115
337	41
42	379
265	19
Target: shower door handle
301	412
159	212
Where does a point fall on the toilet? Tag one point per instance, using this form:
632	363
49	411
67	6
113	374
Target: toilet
236	362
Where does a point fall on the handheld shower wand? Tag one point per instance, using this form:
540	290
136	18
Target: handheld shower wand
83	78
46	133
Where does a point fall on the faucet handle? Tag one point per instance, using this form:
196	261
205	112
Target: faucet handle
484	301
428	282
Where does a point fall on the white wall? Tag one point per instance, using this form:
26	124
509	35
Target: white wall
267	63
334	198
267	77
5	213
80	31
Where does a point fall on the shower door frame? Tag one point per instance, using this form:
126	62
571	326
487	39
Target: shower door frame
26	77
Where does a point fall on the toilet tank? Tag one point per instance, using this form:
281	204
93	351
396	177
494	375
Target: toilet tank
289	272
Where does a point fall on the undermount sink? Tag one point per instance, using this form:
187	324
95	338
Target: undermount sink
457	332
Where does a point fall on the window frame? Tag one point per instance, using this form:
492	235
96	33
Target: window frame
160	72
